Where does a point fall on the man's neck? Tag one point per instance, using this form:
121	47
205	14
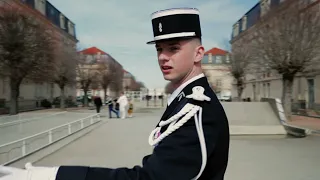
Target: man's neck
180	88
192	74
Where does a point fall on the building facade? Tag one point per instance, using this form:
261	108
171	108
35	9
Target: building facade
216	66
128	80
268	83
92	57
63	30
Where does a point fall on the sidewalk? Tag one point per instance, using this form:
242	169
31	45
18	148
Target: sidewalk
123	143
116	143
306	122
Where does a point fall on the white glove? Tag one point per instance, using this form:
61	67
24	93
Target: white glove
30	173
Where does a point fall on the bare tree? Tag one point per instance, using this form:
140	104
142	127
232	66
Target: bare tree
289	43
26	50
87	75
117	78
105	76
65	70
136	86
239	62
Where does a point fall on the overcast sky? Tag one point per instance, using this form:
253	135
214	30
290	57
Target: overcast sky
122	28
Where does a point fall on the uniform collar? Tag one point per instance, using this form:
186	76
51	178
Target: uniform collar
179	89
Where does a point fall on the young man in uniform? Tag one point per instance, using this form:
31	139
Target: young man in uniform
191	140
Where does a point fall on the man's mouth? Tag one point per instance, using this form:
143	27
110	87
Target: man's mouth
166	67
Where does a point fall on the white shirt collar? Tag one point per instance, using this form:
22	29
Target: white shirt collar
179	89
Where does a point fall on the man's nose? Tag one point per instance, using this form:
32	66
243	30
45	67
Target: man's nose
163	57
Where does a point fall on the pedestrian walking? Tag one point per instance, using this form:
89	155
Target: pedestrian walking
98	103
123	103
113	109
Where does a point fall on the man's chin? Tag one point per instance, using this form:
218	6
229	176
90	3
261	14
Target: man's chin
168	77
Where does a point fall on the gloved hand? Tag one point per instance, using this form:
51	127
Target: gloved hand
29	173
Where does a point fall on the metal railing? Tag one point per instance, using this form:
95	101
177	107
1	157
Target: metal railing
19	119
18	149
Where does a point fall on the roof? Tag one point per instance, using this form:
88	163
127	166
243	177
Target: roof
125	71
216	51
93	50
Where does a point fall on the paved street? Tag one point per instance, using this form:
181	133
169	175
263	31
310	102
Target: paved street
22	130
123	143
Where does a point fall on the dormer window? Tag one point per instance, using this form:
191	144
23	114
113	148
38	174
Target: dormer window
40	5
236	29
71	28
244	23
265	6
62	22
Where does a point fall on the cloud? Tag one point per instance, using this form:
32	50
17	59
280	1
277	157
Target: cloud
122	28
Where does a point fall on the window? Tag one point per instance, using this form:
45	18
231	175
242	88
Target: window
236	29
218	60
40	5
71	28
268	89
210	58
62	22
227	58
265	6
244	23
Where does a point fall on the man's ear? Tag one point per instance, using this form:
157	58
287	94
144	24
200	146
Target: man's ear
199	53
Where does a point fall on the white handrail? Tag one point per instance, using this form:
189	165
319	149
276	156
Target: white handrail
50	138
27	120
47	131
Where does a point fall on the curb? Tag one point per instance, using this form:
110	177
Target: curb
317	117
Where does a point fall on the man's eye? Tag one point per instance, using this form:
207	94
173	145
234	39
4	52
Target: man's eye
174	48
158	49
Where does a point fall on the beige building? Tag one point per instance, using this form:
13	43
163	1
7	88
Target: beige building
92	57
266	83
128	80
269	85
217	69
32	93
